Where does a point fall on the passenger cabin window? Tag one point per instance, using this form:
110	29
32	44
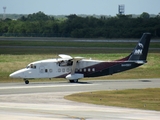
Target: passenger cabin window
93	69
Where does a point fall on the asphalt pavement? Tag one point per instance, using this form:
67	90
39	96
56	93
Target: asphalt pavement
45	101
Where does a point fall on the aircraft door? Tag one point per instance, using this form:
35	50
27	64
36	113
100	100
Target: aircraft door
43	72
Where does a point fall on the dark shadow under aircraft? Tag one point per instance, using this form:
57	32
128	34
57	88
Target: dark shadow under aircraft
75	68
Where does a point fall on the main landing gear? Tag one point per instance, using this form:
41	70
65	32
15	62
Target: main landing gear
26	81
73	81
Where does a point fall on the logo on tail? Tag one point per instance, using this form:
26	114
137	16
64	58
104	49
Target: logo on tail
139	51
140	45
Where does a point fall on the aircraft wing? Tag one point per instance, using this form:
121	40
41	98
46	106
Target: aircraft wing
63	56
75	60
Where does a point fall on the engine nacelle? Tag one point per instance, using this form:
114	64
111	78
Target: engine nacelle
74	76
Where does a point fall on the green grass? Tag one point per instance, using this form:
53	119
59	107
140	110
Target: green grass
41	51
73	44
61	44
148	99
11	63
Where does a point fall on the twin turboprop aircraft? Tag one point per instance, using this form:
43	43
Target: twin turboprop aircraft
75	68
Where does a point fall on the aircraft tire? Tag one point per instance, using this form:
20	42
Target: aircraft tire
76	81
73	81
26	81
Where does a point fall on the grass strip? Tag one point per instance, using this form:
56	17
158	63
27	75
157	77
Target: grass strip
10	63
148	99
74	44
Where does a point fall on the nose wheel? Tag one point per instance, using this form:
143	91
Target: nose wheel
26	81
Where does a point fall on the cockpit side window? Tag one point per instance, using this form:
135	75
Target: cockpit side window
31	66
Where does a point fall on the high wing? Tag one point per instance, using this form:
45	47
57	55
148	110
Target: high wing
73	77
66	57
75	60
65	60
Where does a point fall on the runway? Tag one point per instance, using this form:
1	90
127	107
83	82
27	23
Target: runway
44	101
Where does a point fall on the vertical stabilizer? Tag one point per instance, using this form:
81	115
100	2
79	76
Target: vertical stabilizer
141	50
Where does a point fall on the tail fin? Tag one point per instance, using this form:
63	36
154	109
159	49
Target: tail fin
141	50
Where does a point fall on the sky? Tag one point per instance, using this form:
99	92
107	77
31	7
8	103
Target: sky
88	7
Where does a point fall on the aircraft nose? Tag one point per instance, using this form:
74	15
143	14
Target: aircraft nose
17	74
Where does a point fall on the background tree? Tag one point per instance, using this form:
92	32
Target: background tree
120	26
145	15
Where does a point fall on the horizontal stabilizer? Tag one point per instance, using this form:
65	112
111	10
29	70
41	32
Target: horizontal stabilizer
140	62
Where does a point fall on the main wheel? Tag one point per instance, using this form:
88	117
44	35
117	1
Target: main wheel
73	81
26	81
76	81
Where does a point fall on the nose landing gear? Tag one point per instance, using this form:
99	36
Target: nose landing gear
26	81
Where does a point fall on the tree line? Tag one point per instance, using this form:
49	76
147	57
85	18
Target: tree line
120	26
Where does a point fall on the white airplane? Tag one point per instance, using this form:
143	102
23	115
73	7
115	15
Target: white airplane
75	68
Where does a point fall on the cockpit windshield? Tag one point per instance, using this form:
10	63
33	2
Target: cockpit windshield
31	66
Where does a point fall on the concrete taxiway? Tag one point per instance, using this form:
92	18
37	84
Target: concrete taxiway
45	101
